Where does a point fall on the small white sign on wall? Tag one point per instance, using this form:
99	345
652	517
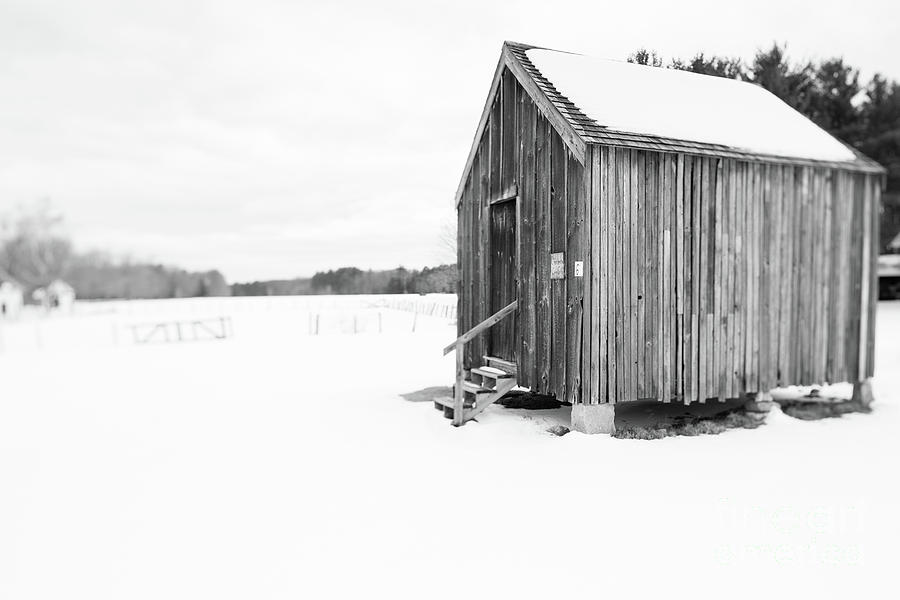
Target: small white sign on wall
579	268
557	265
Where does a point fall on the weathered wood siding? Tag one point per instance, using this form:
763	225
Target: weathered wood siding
704	277
520	150
713	277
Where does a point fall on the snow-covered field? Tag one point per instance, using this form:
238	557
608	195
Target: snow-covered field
283	464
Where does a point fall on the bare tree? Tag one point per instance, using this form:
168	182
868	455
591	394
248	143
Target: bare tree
447	241
33	248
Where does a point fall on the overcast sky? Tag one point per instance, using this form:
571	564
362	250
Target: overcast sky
274	139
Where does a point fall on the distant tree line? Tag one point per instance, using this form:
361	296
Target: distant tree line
276	287
97	276
829	92
34	251
350	280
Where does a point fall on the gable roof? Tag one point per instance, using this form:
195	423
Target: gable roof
593	101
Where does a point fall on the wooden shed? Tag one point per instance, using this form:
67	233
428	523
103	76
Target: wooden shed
629	232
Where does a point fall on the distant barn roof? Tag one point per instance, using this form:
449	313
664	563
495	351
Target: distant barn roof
620	103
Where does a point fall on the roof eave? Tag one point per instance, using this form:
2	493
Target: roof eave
657	144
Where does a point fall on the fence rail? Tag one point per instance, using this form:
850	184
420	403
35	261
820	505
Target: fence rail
191	330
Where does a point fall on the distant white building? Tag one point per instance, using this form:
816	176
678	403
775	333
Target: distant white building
11	299
58	296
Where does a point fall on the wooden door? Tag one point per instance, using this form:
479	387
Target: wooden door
503	271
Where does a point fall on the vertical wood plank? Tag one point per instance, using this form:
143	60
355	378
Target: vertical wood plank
650	267
598	273
874	213
768	256
587	250
614	287
574	285
527	275
627	296
714	272
604	390
703	266
815	224
718	286
466	223
779	275
841	206
476	250
757	271
724	282
586	334
621	295
558	226
866	278
696	204
833	277
638	186
689	318
633	275
659	272
543	330
734	303
666	255
743	275
508	168
679	276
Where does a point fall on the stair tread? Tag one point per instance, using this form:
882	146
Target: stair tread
448	401
501	364
492	372
475	388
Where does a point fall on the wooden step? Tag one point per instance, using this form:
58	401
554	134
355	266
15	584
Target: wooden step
474	388
447	402
503	387
491	372
500	364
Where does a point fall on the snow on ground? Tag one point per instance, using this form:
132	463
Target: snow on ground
280	464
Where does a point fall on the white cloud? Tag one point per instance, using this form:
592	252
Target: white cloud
278	138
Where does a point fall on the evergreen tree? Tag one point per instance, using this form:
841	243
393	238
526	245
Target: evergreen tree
642	56
832	106
730	68
794	84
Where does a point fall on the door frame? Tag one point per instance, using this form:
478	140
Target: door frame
511	194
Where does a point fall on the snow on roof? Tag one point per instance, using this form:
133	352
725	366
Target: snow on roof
688	106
